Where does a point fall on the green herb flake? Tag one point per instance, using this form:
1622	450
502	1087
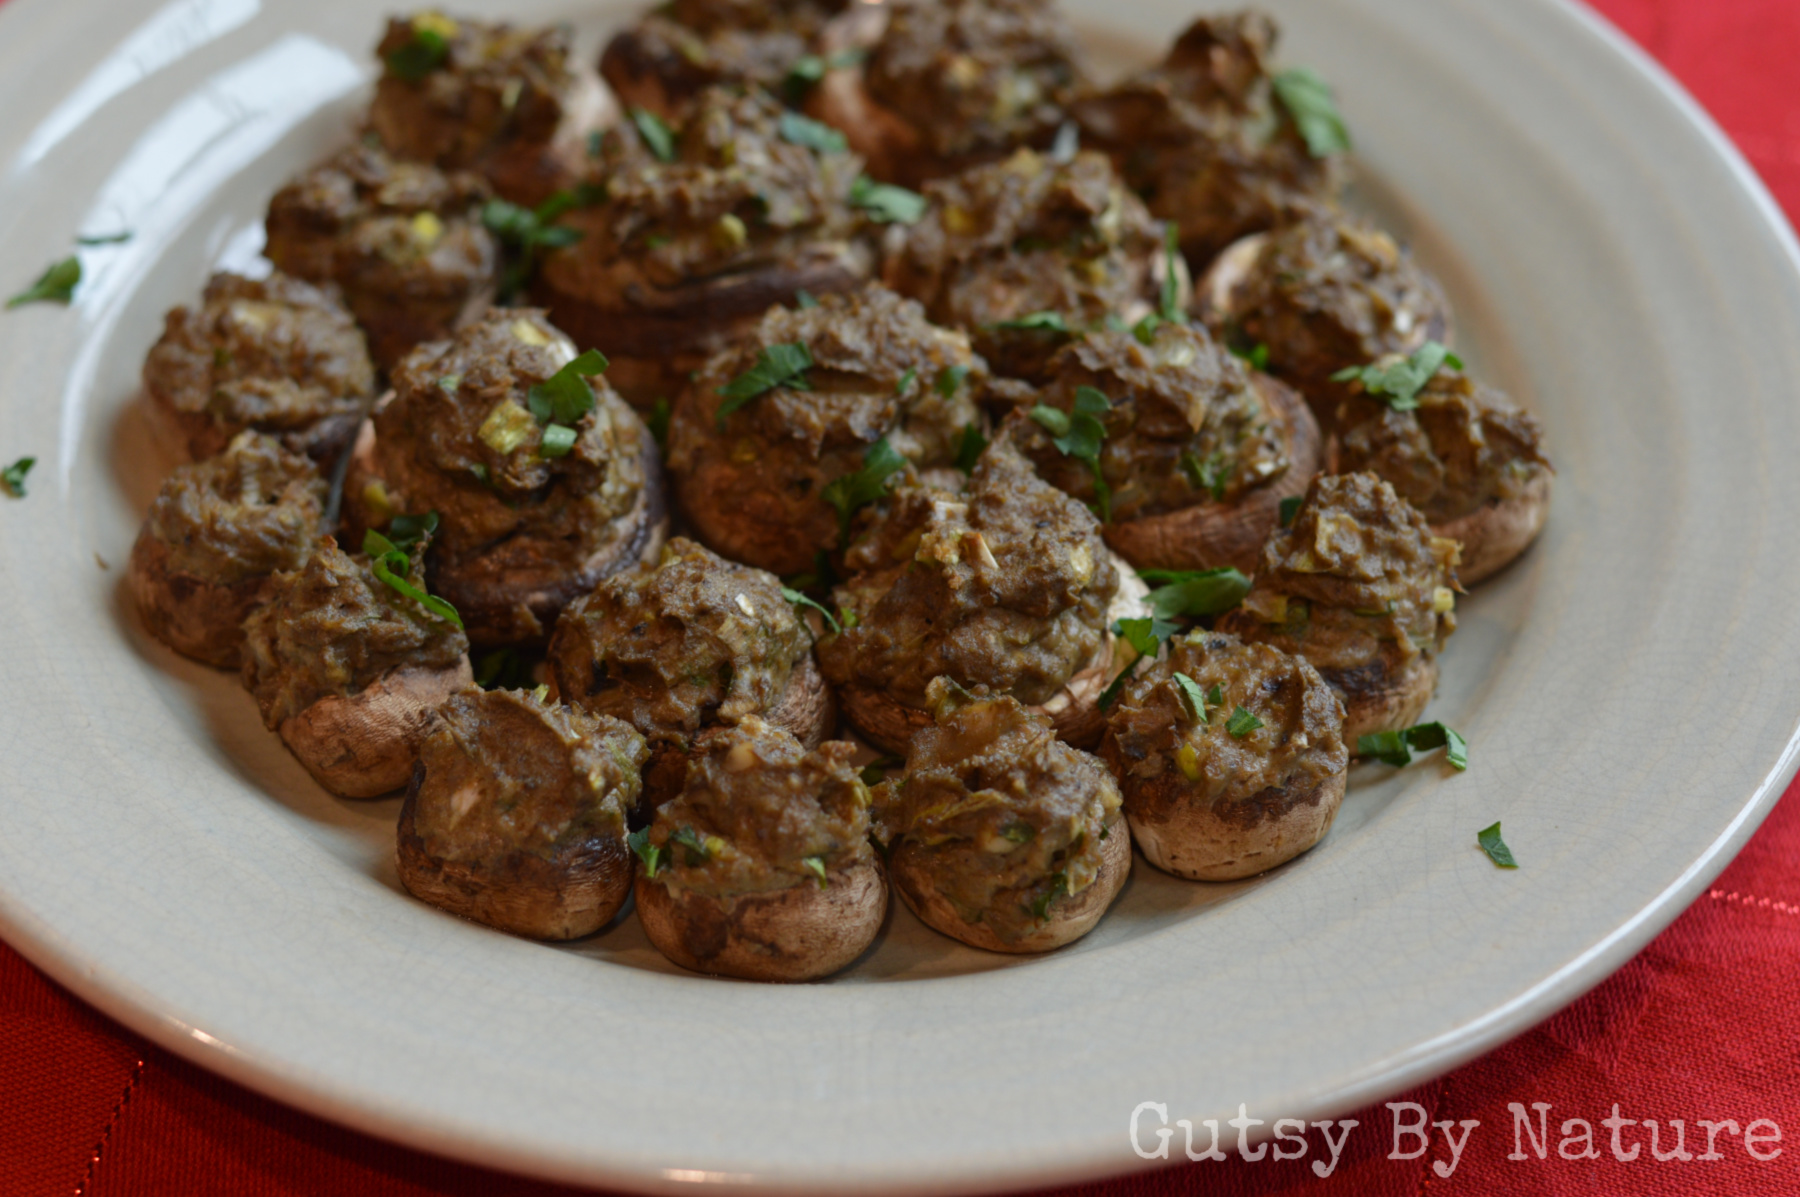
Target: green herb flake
816	866
1192	697
698	851
405	532
1212	475
503	669
1110	695
1242	723
557	441
649	853
1396	748
1171	286
1191	594
425	53
809	69
1059	887
950	380
658	422
55	285
105	239
805	300
12	478
565	397
1309	101
1495	847
656	133
800	600
1081	436
810	134
1401	381
1146	635
885	203
1289	508
906	382
1036	322
776	366
391	568
970	445
876	771
1145	330
850	493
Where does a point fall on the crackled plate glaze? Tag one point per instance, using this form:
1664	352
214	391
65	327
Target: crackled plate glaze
1629	689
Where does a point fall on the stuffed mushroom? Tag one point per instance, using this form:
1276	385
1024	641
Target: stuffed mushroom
1006	583
1028	252
545	482
1319	296
516	814
1198	452
703	223
761	866
403	240
948	84
679	49
216	534
1207	140
503	101
1359	586
697	642
274	355
1460	452
1231	757
998	834
764	477
349	670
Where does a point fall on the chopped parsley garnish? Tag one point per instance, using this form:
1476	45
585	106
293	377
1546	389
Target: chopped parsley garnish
560	401
906	381
658	422
886	203
816	866
821	575
1059	887
1192	696
12	478
426	52
1396	748
776	366
1257	356
800	600
805	300
527	231
405	532
105	239
850	493
1109	695
1036	322
1242	723
810	134
809	69
1146	635
875	772
1289	508
392	567
1212	475
1495	847
649	853
656	133
699	851
1190	594
1309	101
1171	287
970	445
1080	435
1401	381
951	379
55	285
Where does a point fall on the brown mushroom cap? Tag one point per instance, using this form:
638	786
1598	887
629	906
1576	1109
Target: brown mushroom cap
1067	919
1216	535
364	745
515	815
1495	535
1219	842
196	616
1074	710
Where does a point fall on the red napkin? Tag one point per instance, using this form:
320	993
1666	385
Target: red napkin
1698	1028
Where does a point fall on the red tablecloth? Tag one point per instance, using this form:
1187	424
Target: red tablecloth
1698	1027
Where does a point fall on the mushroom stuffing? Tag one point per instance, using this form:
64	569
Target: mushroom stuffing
793	460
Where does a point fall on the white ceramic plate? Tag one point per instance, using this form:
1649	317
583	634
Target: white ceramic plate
1629	690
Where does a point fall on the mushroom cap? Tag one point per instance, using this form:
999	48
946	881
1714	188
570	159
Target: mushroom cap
1074	710
195	616
1495	534
800	933
1068	919
1384	695
575	894
1215	535
530	173
364	745
1224	841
